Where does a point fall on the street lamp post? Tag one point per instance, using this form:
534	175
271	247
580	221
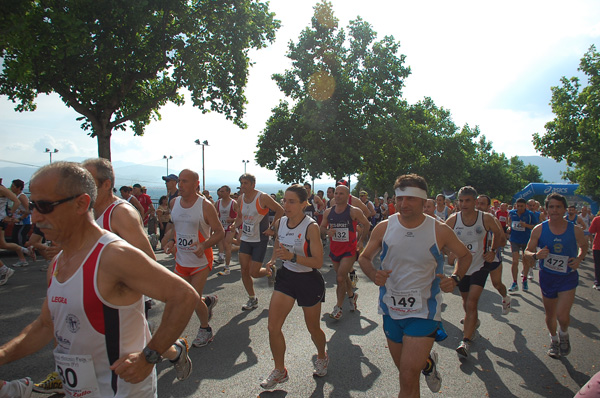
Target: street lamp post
169	157
245	163
203	143
51	152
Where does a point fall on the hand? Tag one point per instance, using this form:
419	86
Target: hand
269	232
381	276
574	262
53	250
447	284
283	253
133	368
169	247
199	249
331	232
489	256
542	254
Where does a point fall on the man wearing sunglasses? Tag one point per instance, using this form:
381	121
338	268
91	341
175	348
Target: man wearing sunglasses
104	347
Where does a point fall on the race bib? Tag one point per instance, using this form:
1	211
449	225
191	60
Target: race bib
341	235
556	263
516	226
186	243
248	228
473	247
224	223
78	375
403	301
502	219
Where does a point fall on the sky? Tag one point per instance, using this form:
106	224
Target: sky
491	64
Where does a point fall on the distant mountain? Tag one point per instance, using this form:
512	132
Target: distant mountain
550	168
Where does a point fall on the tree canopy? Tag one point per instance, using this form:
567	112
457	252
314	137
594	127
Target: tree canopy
117	62
345	114
574	134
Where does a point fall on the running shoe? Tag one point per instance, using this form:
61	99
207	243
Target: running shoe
525	286
30	252
464	348
506	305
44	266
21	263
433	377
554	350
183	365
52	384
218	261
225	271
514	287
210	302
5	275
353	300
276	377
203	337
251	304
321	366
565	344
353	278
530	276
21	388
596	286
336	313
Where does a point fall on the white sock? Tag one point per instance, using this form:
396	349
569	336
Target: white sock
561	333
554	338
25	250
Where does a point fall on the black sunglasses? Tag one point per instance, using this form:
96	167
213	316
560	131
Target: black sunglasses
47	207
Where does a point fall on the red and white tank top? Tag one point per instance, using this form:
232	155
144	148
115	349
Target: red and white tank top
254	222
294	239
225	212
104	220
190	229
91	334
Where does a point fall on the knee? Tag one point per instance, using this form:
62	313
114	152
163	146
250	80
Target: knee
471	305
409	378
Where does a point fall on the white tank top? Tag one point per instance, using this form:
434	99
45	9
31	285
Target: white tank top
104	221
412	289
473	236
224	212
254	222
21	210
190	228
294	240
91	333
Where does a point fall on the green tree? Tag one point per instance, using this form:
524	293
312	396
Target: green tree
574	134
337	86
117	62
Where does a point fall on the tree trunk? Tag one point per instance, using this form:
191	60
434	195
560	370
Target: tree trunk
104	143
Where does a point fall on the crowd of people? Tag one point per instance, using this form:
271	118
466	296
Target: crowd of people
96	309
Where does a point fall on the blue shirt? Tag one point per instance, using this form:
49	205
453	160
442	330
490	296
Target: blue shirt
562	248
518	234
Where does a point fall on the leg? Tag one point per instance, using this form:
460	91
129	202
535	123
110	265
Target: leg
416	351
280	307
344	284
527	264
596	267
198	281
11	246
496	276
227	244
550	305
515	265
245	260
471	314
563	309
312	318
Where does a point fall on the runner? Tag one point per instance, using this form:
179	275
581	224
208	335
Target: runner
441	210
595	232
227	211
105	335
340	224
574	218
494	265
6	195
22	216
254	205
470	225
411	279
563	248
298	245
193	231
521	221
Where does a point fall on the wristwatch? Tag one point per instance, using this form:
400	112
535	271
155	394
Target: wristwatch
534	256
151	356
456	278
294	258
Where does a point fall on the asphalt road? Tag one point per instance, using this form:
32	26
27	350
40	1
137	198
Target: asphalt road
508	360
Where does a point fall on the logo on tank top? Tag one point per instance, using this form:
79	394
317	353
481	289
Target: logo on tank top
72	323
557	247
61	341
479	230
409	234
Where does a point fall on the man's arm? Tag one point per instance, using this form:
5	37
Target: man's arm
532	245
267	201
365	260
212	219
124	285
319	202
25	202
356	202
448	241
359	217
324	224
371	209
126	223
136	203
11	196
31	339
582	243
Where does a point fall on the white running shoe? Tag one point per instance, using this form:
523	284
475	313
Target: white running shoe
506	305
433	378
183	365
5	275
464	348
21	263
321	366
336	313
20	388
203	337
251	304
276	377
226	271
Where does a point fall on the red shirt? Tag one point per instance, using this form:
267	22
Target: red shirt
145	201
502	217
595	229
